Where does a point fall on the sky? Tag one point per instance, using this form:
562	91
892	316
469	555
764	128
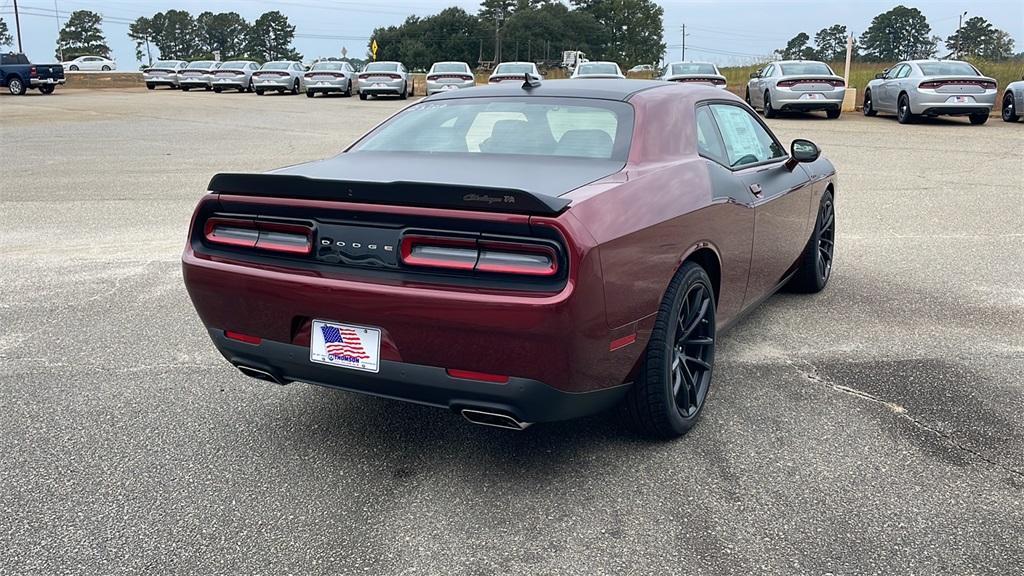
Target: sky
721	31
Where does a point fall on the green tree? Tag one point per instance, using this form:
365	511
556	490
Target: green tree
452	34
545	32
5	35
141	31
830	43
81	36
634	29
175	35
797	48
226	32
899	34
270	38
977	37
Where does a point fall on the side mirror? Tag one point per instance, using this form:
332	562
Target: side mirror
880	75
801	151
755	74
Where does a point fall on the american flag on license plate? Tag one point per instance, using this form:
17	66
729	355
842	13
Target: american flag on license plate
344	343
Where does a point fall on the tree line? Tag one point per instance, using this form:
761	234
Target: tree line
902	34
626	31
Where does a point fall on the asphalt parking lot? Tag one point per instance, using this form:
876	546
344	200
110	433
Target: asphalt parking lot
875	428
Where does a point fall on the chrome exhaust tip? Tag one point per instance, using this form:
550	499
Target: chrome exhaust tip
494	419
259	374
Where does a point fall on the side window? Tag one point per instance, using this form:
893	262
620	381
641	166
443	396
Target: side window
904	71
709	141
768	71
746	141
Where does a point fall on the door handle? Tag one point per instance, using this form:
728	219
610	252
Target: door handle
756	189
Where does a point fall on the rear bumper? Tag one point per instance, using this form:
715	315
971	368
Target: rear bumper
435	87
527	400
194	82
164	80
934	103
36	82
326	85
282	84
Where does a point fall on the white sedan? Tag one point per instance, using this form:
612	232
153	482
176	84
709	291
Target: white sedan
89	63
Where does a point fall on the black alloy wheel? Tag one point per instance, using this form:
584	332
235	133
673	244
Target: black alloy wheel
1009	110
869	106
769	112
675	374
903	114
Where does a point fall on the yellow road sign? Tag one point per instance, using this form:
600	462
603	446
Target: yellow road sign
373	49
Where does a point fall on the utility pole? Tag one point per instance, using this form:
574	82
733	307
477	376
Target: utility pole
958	38
17	25
682	52
497	38
56	15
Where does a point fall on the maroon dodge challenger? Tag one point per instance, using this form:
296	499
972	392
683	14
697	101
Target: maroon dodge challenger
517	253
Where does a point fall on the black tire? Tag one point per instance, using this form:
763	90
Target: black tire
47	89
978	119
1009	109
185	88
405	92
769	112
259	92
309	94
208	87
816	261
746	97
362	96
683	337
150	86
348	90
106	68
73	68
295	87
250	87
903	113
15	86
218	90
833	113
869	105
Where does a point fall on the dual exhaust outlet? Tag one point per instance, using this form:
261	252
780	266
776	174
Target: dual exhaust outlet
481	417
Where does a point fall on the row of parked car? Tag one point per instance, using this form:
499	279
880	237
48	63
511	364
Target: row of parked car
909	90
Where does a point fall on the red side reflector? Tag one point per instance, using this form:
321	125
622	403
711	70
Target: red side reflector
243	337
481	376
620	342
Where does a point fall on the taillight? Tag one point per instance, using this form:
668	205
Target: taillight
940	83
481	376
273	236
718	82
33	72
480	255
786	83
247	338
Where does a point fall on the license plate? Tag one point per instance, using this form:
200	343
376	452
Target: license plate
322	83
961	100
378	85
323	78
345	346
813	97
449	87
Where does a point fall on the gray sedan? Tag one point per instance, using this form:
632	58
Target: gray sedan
694	72
1013	101
163	73
597	70
931	88
197	74
330	76
281	76
800	85
384	79
444	76
514	71
234	75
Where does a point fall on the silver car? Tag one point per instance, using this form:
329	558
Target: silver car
444	76
931	88
514	71
801	85
281	76
597	70
384	79
330	76
1013	101
694	72
89	63
234	75
163	73
197	74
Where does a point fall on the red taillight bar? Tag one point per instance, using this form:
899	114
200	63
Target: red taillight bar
481	376
273	236
480	255
243	337
830	81
940	83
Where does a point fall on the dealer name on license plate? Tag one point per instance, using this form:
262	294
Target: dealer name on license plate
345	345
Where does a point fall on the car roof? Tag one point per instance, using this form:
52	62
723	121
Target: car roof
598	88
690	62
799	62
515	62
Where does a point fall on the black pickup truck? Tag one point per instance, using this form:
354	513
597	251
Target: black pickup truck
18	74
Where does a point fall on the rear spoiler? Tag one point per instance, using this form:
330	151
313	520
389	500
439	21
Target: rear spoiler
425	194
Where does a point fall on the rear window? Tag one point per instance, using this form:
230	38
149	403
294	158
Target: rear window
328	66
948	69
693	68
514	69
801	68
235	64
577	128
277	66
166	64
381	67
201	64
449	67
598	68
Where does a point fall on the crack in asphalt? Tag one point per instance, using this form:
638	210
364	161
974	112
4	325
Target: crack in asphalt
810	373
